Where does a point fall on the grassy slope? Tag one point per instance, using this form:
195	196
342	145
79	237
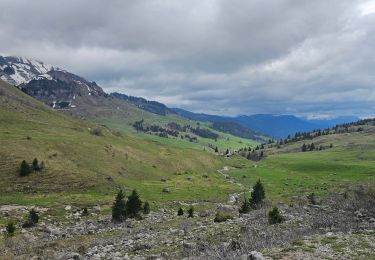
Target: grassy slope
288	171
122	119
87	168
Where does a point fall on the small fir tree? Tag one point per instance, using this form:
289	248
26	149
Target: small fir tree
180	212
257	195
119	207
191	212
146	208
25	168
274	216
35	165
133	205
10	229
245	207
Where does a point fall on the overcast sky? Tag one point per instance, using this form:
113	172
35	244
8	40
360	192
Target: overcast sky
302	57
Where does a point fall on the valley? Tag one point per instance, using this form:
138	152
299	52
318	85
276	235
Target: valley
97	144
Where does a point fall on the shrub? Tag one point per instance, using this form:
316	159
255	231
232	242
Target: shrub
97	132
35	165
245	207
312	199
10	229
180	212
222	217
24	168
146	208
191	212
133	205
274	216
32	219
85	212
119	207
257	195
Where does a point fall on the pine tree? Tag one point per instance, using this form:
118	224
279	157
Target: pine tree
274	216
180	212
133	205
191	212
10	229
257	195
146	208
119	207
35	165
245	207
304	148
25	168
32	219
312	147
216	150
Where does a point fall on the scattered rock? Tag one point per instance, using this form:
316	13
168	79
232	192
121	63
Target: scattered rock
166	190
69	256
68	208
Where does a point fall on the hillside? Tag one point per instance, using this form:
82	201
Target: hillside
88	161
78	97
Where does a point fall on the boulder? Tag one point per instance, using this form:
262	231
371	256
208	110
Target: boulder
166	190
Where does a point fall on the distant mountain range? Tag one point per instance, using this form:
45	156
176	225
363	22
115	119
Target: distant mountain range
276	126
63	90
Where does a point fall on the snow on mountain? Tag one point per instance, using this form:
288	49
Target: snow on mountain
19	70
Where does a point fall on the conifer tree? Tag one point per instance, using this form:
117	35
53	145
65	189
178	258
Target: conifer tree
312	147
146	208
25	168
274	216
216	150
133	205
35	165
119	207
180	212
245	207
191	212
304	148
257	195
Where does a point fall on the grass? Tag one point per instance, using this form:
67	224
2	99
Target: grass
288	174
84	168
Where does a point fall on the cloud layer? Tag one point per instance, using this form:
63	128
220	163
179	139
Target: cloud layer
215	56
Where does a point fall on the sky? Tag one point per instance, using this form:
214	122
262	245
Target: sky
308	58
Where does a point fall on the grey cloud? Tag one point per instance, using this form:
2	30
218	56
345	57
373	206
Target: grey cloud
216	56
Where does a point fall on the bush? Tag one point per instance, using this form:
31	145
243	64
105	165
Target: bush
85	212
146	208
119	208
35	165
191	212
274	216
24	169
32	219
180	212
312	199
245	207
222	217
10	229
97	132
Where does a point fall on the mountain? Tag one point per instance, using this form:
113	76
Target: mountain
75	96
18	70
150	106
277	126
